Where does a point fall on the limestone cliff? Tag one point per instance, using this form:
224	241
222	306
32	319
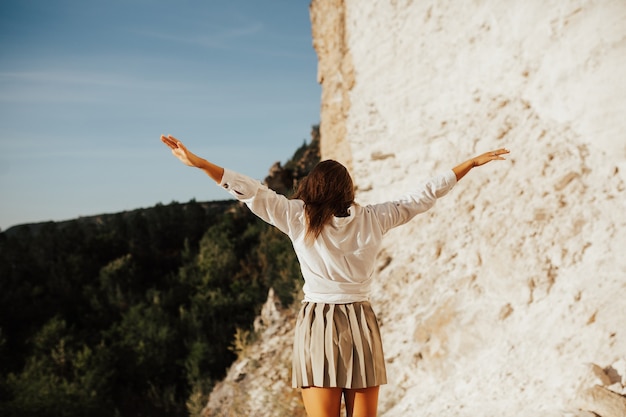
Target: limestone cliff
508	297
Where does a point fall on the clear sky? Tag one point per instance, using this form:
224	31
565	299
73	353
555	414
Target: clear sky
87	87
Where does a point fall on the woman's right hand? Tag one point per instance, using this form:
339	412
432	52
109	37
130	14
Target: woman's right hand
463	168
181	152
489	156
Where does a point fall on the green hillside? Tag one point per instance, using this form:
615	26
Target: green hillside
134	313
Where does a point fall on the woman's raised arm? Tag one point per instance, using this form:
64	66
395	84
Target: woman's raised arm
190	159
465	167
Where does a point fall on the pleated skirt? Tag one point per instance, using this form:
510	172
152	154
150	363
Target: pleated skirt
337	345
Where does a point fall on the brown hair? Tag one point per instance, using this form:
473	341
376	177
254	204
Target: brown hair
327	191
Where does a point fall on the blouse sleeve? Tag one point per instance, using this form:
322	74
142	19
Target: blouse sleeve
397	212
274	208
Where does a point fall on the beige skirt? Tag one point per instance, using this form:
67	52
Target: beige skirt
338	345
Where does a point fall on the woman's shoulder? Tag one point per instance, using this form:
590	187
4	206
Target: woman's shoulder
296	202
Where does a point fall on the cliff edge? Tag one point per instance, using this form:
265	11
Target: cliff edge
500	299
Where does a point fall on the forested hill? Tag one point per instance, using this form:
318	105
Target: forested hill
134	313
105	219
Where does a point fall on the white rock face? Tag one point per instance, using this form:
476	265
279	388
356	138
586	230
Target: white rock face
509	297
493	302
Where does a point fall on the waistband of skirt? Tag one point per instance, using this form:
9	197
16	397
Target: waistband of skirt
335	298
365	302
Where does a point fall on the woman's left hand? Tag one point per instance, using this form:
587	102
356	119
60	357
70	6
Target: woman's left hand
181	152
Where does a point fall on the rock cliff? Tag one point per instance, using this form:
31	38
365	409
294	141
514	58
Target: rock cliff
508	297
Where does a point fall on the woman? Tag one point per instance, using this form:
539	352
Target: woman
337	345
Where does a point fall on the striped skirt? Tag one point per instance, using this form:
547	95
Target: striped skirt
337	345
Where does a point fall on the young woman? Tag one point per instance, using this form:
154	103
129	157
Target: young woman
337	345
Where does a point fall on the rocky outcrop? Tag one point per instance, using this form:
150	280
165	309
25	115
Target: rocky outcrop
284	179
492	302
336	74
603	390
259	382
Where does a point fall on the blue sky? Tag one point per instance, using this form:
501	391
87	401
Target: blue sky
87	87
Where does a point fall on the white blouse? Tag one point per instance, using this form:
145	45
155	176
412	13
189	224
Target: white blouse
339	265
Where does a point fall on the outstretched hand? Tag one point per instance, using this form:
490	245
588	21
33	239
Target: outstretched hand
189	158
489	156
181	152
463	168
